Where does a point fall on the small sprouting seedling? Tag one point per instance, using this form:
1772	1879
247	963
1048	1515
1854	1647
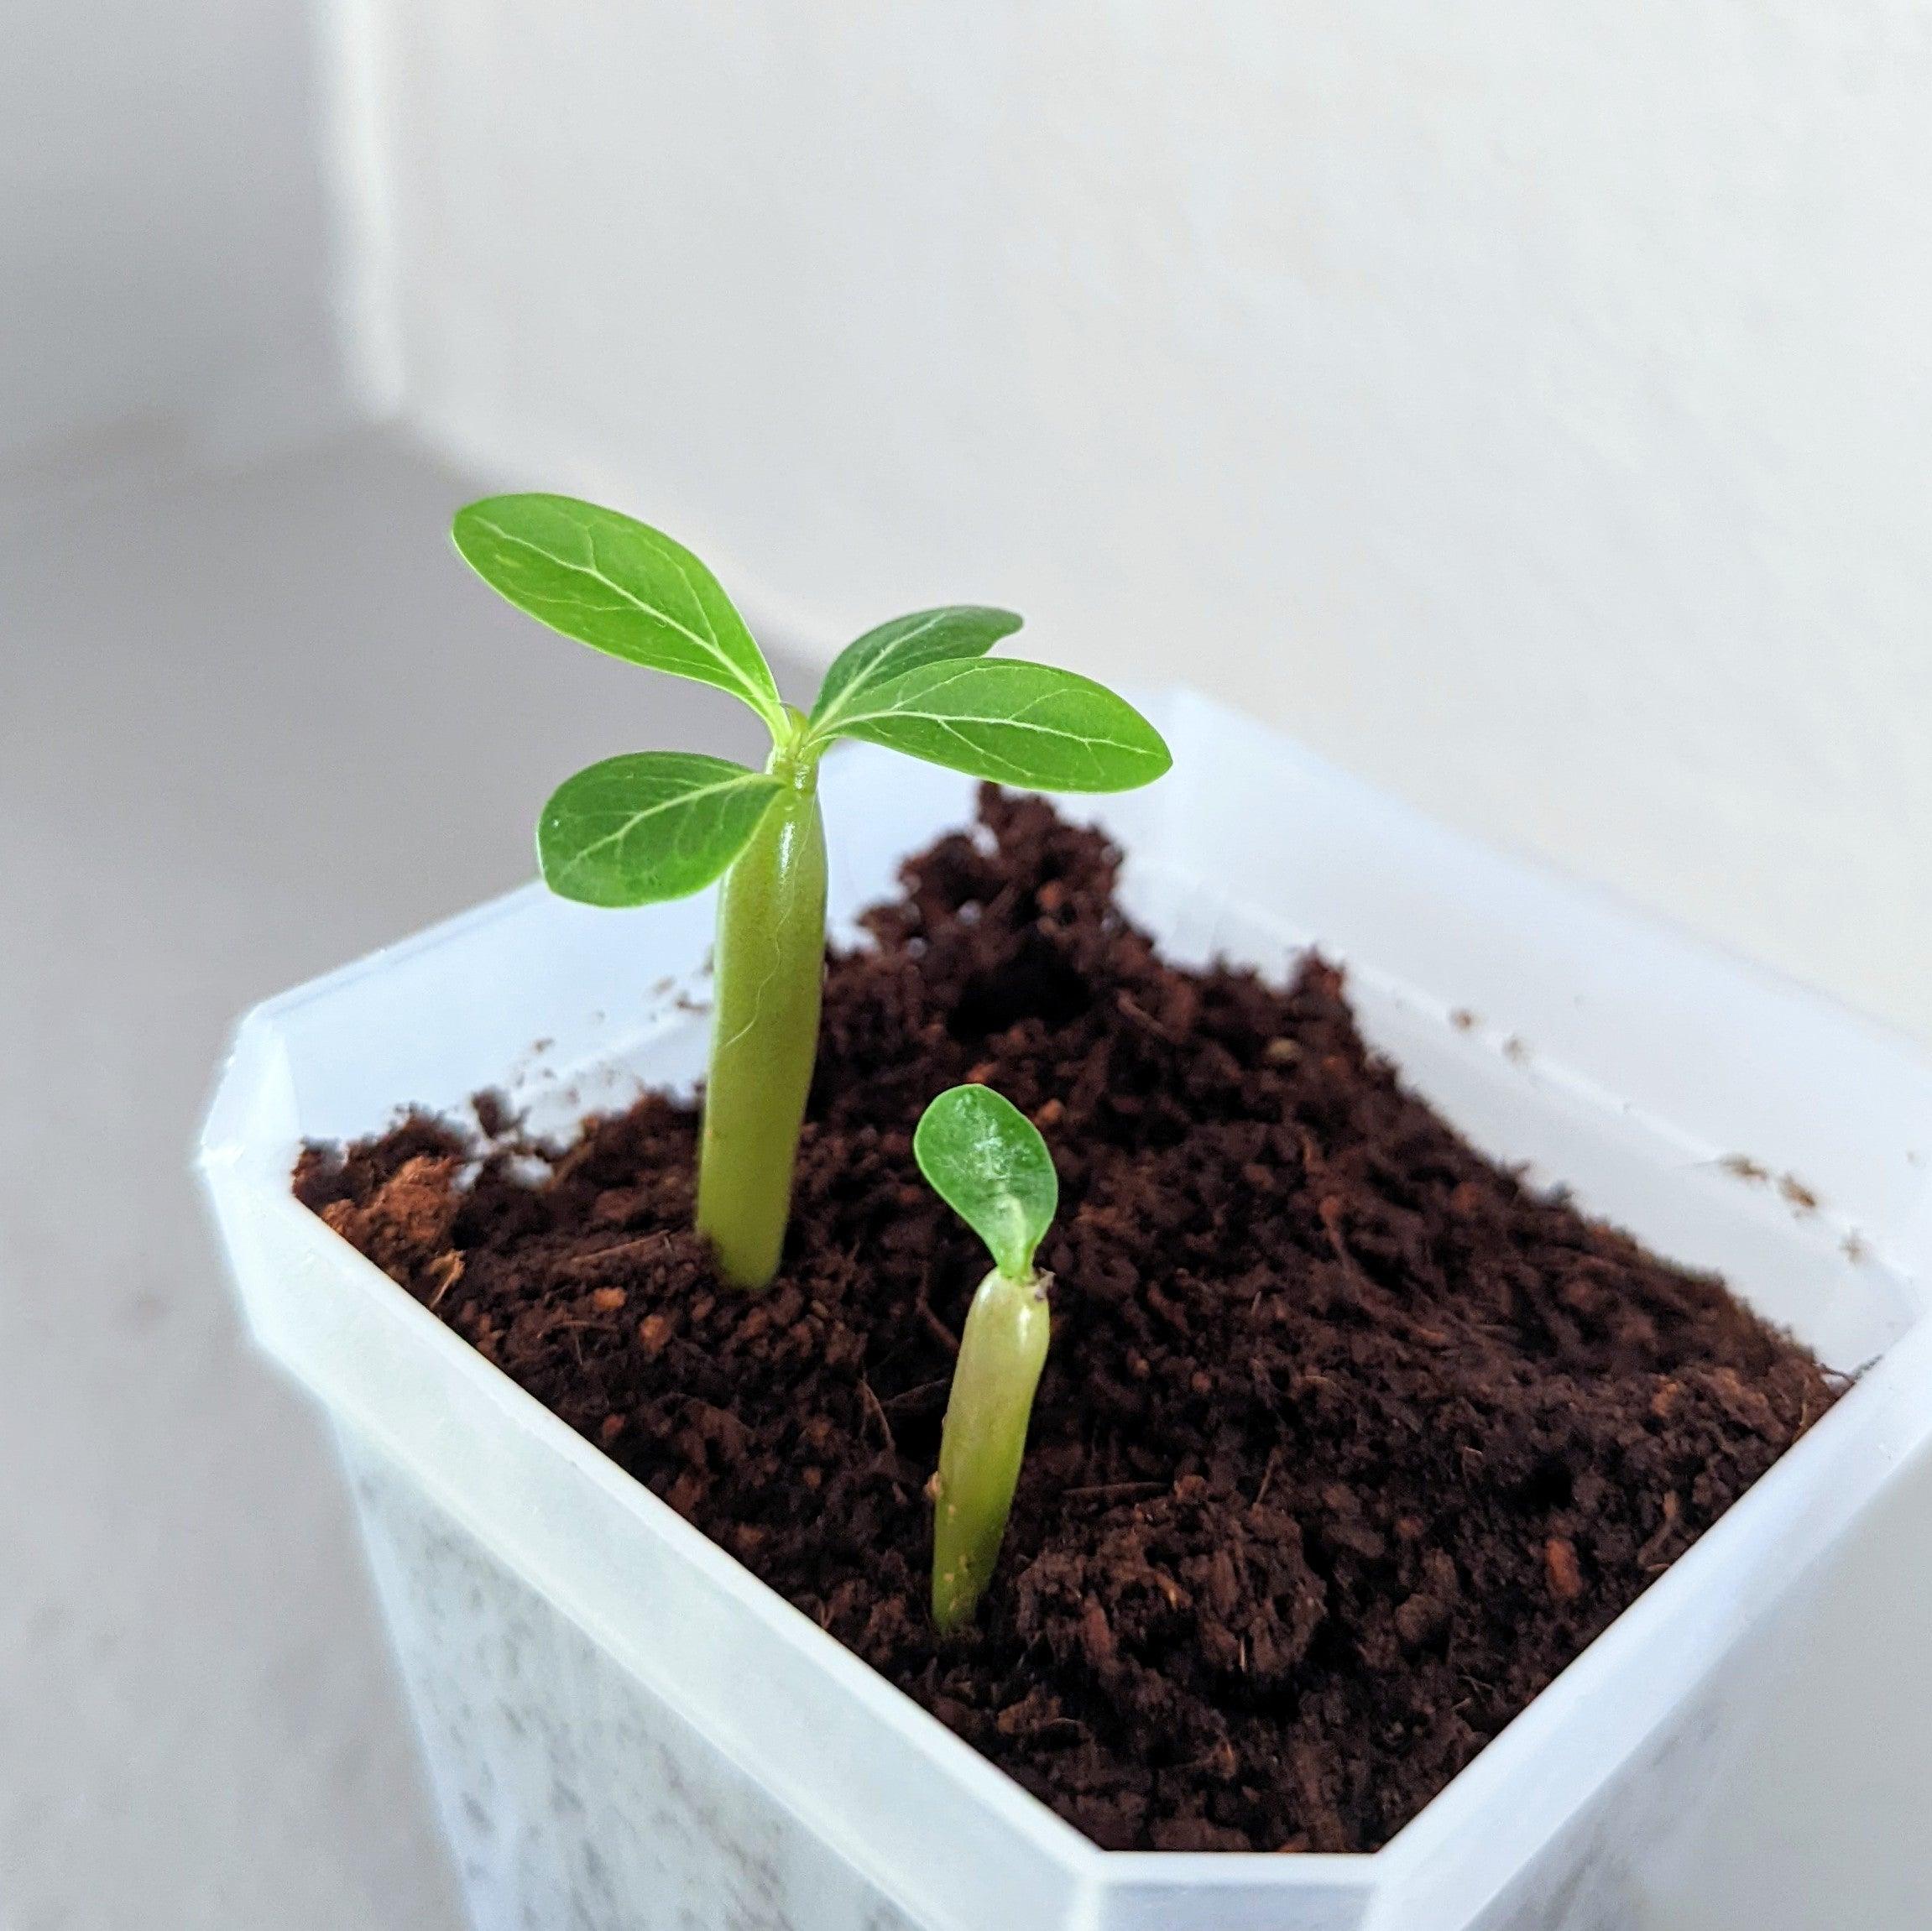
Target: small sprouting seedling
655	824
987	1162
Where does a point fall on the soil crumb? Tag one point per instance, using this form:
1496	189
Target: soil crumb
1347	1443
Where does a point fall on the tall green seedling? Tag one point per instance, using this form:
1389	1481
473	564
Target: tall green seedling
987	1162
655	825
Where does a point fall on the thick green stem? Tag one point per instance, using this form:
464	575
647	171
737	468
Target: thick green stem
770	967
1002	1350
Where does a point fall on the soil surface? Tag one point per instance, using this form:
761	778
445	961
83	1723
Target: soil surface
1347	1442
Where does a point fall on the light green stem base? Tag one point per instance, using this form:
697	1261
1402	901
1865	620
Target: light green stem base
769	970
1001	1352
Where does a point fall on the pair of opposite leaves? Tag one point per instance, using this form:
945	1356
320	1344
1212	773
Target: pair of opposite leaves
654	825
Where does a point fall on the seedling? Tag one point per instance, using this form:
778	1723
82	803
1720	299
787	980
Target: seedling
987	1162
655	825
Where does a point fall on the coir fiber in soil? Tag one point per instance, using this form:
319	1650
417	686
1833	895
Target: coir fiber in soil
1347	1442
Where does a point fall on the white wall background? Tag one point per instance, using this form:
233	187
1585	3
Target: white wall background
1527	405
162	262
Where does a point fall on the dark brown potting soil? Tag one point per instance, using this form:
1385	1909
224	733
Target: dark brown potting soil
1347	1442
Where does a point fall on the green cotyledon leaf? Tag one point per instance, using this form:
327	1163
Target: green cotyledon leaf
619	586
648	826
892	649
1012	722
987	1162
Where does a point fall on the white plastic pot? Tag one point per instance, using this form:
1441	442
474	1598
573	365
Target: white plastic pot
626	1729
